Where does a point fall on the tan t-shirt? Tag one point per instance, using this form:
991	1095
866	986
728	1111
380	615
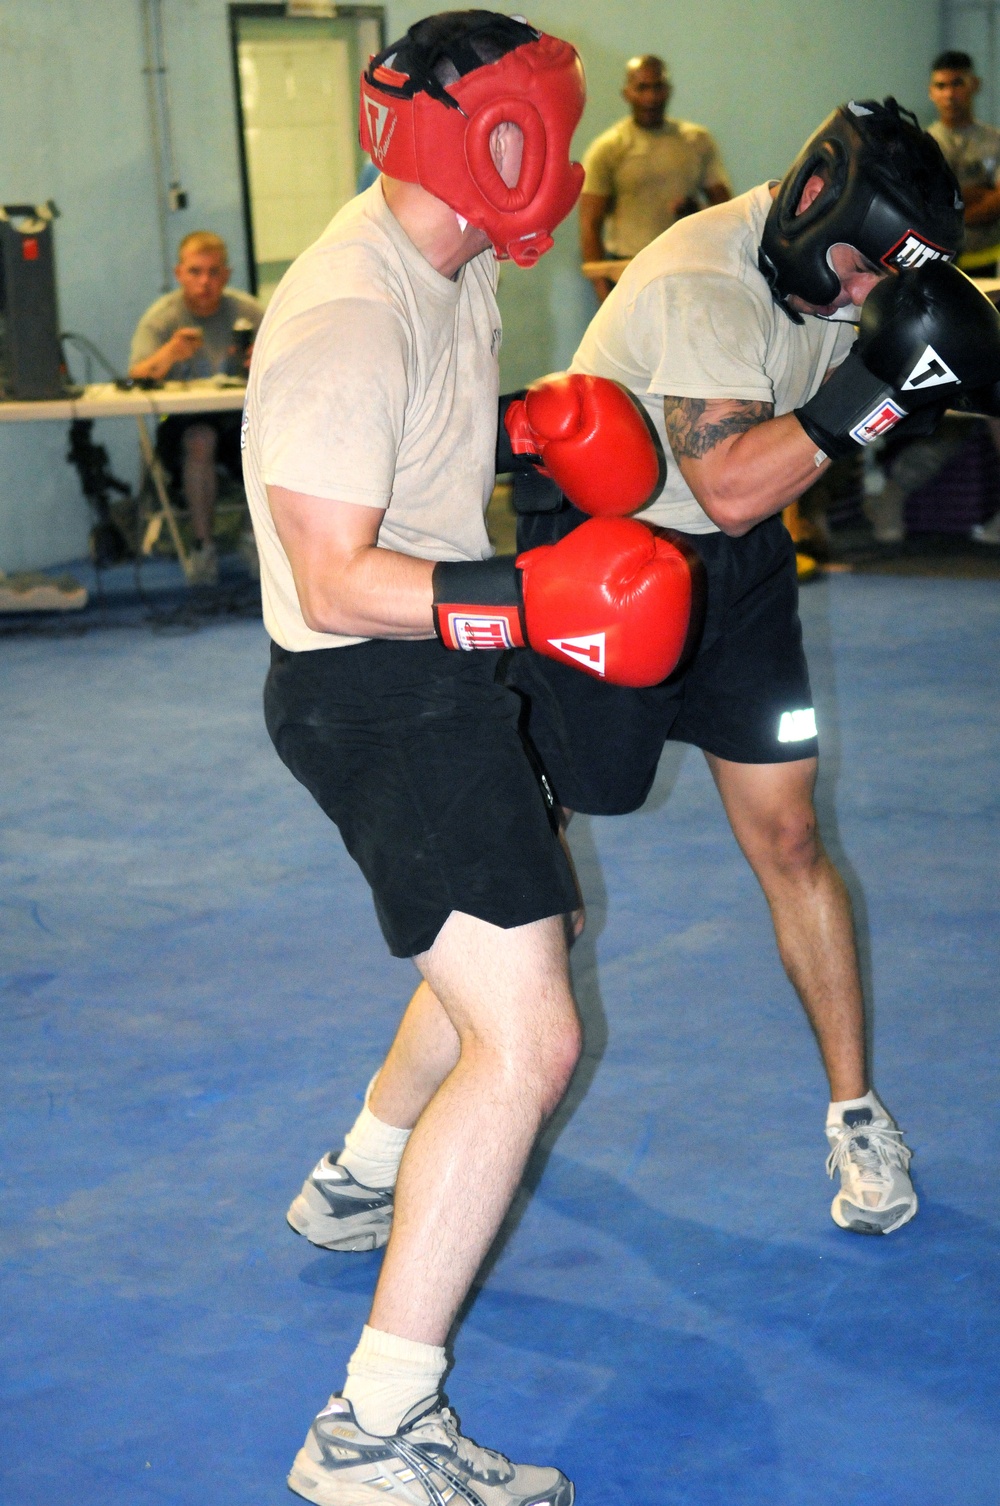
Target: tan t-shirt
375	381
693	317
645	173
973	154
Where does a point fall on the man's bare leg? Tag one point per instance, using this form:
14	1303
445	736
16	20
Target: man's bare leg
346	1202
508	998
770	808
200	482
424	1051
329	1210
426	1045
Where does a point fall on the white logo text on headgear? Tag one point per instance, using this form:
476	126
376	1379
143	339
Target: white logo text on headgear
381	127
911	250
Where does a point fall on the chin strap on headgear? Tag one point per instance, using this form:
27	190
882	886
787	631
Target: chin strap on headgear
417	129
887	191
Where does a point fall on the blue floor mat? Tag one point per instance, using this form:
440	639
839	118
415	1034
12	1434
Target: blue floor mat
194	992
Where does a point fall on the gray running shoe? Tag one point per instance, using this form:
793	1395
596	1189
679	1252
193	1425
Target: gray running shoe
876	1195
203	566
337	1213
426	1463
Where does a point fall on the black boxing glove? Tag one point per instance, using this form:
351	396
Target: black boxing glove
924	336
984	400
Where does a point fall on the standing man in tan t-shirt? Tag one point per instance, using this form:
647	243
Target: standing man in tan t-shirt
972	150
645	172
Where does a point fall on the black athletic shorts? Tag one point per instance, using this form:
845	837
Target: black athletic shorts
170	445
414	751
744	695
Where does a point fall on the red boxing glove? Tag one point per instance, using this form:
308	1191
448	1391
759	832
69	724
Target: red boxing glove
593	438
613	598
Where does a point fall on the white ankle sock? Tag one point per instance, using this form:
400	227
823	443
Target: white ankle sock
373	1150
835	1113
387	1375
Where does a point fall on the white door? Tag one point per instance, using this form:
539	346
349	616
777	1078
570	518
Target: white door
299	105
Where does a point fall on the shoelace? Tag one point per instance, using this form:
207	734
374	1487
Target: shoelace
484	1463
884	1148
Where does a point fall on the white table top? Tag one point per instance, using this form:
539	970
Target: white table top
604	271
105	400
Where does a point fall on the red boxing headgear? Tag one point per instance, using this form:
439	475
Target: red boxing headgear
419	131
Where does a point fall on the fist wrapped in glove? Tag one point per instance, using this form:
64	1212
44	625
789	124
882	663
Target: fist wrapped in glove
924	336
591	436
613	598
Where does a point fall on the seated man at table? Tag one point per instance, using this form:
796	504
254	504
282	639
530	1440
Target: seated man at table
200	330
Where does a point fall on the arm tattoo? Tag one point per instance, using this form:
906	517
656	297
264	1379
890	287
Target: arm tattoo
696	425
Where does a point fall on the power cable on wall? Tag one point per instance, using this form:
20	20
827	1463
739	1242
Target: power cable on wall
170	196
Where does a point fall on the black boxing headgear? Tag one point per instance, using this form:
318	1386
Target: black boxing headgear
888	192
430	102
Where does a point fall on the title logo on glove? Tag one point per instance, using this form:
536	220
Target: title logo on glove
589	651
878	422
480	630
931	370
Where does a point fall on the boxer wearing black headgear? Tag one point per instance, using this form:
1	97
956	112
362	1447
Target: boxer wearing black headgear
870	182
734	331
888	192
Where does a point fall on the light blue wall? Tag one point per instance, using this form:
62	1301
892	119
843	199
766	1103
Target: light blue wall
760	75
975	28
74	127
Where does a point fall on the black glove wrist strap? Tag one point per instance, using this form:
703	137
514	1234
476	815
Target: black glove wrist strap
847	409
478	603
828	444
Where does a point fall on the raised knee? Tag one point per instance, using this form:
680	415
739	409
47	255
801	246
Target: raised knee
561	1054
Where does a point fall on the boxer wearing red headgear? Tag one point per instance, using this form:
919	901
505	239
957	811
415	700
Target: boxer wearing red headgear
370	439
418	129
